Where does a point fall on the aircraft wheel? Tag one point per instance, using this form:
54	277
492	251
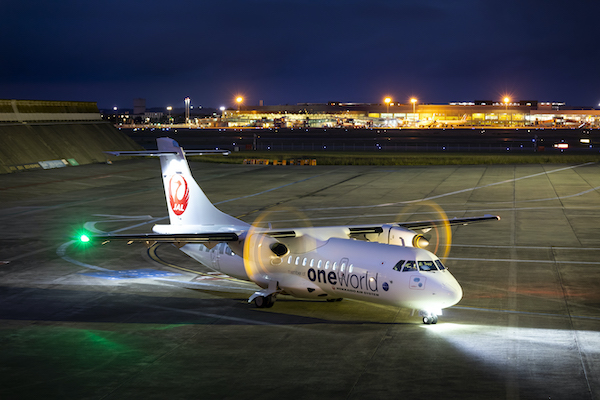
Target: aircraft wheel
340	299
331	300
270	299
434	319
427	320
260	302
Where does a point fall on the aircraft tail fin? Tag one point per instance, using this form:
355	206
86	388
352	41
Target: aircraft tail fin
186	202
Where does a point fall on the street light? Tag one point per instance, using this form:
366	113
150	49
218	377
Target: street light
187	109
239	100
414	102
387	102
169	108
506	101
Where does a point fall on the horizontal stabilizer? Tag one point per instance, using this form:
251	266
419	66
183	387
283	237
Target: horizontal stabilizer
158	153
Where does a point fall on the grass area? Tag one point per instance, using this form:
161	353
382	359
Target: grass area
384	158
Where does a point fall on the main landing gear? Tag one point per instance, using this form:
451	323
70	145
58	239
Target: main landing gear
264	301
428	317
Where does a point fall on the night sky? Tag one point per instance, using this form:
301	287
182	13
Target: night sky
288	51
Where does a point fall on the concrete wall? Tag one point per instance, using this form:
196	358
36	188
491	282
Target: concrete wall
23	146
39	110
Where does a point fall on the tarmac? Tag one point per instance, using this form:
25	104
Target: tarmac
118	321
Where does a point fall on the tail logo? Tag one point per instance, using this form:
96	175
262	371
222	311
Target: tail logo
179	194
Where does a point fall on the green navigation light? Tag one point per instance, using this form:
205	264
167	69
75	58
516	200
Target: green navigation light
84	238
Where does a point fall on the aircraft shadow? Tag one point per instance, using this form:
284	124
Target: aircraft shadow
61	305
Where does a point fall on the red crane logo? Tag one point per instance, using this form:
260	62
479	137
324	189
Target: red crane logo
179	194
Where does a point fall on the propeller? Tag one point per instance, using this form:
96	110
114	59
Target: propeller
438	239
262	252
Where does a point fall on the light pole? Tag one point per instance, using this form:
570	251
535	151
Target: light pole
169	108
387	102
414	102
506	101
187	109
239	101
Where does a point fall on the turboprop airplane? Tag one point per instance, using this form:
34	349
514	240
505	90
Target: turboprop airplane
384	264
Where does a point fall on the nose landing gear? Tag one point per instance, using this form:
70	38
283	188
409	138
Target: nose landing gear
428	317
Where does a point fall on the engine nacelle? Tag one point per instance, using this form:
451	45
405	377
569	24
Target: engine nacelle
399	236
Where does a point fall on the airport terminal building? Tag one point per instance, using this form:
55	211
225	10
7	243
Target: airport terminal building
481	113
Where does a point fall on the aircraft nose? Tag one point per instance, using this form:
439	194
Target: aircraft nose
453	291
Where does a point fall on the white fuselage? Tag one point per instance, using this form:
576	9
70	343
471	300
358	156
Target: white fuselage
346	268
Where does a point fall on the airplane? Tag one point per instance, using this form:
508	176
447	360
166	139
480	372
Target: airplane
453	122
426	123
385	264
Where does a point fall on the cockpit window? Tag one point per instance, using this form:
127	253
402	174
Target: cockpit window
427	266
440	265
398	266
410	266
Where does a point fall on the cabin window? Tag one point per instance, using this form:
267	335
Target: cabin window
297	260
289	259
398	266
304	262
410	266
320	264
312	262
440	265
334	265
427	266
350	268
327	265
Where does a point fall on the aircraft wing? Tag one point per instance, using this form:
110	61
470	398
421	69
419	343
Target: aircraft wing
232	236
356	230
166	238
451	222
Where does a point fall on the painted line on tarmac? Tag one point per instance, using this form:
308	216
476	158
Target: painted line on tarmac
469	190
523	312
523	261
503	182
268	190
525	247
30	253
62	253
